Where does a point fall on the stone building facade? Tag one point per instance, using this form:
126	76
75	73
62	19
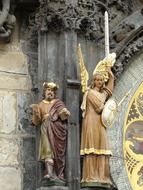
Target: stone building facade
38	41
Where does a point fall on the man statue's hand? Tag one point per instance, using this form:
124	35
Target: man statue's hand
64	114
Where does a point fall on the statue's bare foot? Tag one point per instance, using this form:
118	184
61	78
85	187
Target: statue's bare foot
47	176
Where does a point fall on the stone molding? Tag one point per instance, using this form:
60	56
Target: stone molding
127	54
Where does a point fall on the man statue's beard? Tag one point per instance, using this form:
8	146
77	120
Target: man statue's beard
49	98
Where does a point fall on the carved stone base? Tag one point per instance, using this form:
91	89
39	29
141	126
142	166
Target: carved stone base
52	182
97	186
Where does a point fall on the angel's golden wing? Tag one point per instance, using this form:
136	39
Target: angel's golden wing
101	67
83	72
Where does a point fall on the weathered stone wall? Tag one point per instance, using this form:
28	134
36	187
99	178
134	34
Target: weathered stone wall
17	139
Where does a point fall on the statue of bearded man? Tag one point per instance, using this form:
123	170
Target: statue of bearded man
51	115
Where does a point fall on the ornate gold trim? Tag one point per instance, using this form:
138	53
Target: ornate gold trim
133	160
95	151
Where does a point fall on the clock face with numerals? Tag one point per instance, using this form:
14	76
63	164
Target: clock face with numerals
133	139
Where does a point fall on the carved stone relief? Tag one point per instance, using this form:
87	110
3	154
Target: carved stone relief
86	17
7	21
123	60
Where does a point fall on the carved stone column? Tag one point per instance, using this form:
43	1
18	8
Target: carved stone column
72	100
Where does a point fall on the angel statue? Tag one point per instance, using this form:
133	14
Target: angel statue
94	143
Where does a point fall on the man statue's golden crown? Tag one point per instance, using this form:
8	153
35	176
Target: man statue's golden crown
50	85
